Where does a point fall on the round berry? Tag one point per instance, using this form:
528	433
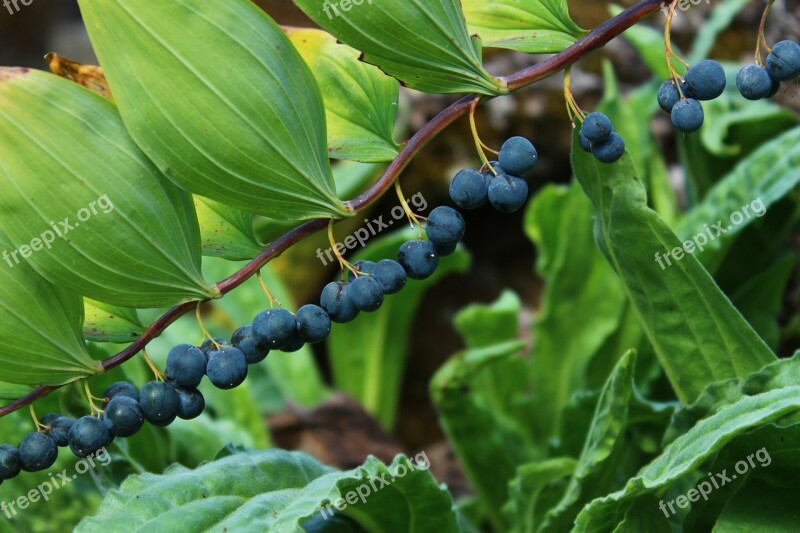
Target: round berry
88	436
365	293
227	368
597	127
753	82
158	401
275	328
687	115
508	193
668	95
445	226
469	189
783	62
9	462
191	404
209	345
186	365
123	416
706	80
390	275
518	156
418	258
165	422
294	346
363	266
313	324
335	302
609	150
58	428
37	452
586	144
121	388
245	340
444	251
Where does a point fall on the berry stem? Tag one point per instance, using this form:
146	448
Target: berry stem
479	145
95	411
669	52
343	263
206	334
272	300
573	109
39	426
413	218
159	374
761	40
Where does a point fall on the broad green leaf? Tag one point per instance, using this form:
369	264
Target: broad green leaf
368	355
534	27
108	323
698	335
688	453
10	392
760	508
360	100
40	330
275	490
225	231
530	493
216	95
424	44
85	206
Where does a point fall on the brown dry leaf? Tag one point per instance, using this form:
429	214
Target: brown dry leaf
90	76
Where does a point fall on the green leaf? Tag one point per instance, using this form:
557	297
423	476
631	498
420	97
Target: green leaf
40	330
219	99
368	355
275	490
10	392
718	20
425	45
225	231
688	453
108	323
698	335
69	168
760	508
360	100
649	42
534	27
530	493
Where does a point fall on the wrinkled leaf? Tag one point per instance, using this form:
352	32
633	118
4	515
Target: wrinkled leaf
225	231
531	493
108	323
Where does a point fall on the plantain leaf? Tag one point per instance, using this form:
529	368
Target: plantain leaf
532	26
84	206
225	231
425	44
109	323
218	97
531	493
360	100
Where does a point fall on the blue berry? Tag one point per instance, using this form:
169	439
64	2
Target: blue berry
518	156
418	258
123	416
444	251
753	82
88	436
121	388
294	346
208	345
706	80
783	62
363	266
58	428
165	422
390	275
37	452
335	302
668	95
275	328
313	324
158	400
586	144
596	127
609	150
227	368
191	404
365	293
9	462
687	115
469	189
508	193
445	226
186	365
245	340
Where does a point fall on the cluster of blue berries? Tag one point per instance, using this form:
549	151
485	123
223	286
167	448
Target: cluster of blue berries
705	80
503	185
597	136
783	64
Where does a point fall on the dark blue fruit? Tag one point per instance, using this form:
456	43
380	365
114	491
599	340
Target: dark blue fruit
508	193
158	400
705	80
586	144
390	275
58	427
294	346
335	302
469	189
186	365
121	388
313	324
207	345
687	115
444	251
275	328
418	258
609	150
37	452
227	368
9	462
753	82
165	422
88	436
365	293
783	62
518	156
245	340
596	127
363	266
123	416
190	404
445	227
668	95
